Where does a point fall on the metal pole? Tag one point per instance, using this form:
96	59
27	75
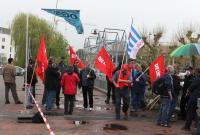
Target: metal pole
55	15
26	91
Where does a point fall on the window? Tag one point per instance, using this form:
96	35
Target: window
2	47
3	39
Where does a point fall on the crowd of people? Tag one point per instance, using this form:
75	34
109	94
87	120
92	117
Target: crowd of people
128	85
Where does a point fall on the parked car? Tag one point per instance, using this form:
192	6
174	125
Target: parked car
19	71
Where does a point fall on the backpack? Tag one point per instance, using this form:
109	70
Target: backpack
159	86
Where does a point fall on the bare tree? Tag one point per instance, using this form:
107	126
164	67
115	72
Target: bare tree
188	34
152	41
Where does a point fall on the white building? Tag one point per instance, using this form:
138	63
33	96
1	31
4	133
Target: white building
6	49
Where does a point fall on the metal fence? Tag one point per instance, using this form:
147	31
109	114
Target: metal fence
100	83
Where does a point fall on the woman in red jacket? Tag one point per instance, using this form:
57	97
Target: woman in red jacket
69	82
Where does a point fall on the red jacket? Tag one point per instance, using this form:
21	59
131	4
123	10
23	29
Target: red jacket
69	83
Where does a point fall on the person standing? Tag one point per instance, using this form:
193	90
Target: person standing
184	99
52	77
62	68
122	80
31	81
9	73
111	87
87	77
194	93
138	89
166	98
69	82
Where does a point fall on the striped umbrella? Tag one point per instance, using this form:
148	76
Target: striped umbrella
186	50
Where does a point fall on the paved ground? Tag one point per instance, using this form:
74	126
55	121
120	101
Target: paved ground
82	122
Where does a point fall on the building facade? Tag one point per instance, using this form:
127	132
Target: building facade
6	48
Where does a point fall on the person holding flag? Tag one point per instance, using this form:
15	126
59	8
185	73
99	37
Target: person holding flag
104	63
122	80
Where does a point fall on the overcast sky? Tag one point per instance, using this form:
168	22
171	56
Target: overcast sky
100	14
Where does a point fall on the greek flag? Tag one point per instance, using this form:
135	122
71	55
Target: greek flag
135	42
71	16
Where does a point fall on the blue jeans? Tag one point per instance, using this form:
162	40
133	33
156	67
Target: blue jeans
164	111
50	99
136	99
173	104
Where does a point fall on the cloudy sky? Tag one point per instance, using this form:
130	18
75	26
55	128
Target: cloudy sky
100	14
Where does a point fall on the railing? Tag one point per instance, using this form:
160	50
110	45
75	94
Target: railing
101	84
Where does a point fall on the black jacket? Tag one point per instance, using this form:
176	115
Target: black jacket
187	82
176	85
31	78
83	77
52	78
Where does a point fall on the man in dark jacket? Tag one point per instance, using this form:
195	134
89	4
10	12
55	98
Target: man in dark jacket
87	77
31	81
137	89
175	93
184	98
62	68
194	92
52	82
166	98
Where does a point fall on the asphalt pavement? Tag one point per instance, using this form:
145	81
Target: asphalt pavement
100	121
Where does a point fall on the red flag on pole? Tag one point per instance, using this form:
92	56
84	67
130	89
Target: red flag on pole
104	63
42	62
74	57
157	69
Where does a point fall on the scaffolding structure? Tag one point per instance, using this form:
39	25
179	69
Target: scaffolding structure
113	40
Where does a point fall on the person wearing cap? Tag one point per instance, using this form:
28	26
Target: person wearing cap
122	80
9	73
184	99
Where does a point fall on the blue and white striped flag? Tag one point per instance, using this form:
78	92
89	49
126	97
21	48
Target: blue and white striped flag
135	42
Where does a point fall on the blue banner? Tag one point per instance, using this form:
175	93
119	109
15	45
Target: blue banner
71	16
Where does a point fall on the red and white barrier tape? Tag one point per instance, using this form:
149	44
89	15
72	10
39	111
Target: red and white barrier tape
42	114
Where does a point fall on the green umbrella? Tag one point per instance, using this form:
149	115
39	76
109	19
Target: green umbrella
186	50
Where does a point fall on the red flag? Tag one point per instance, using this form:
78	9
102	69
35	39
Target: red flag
42	62
157	69
104	63
74	57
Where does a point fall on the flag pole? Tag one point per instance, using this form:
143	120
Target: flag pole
124	55
143	73
27	42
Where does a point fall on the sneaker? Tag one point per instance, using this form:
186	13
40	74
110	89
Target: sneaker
18	102
166	125
7	102
90	109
